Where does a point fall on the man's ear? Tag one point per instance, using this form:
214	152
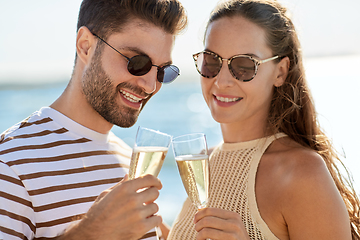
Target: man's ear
85	44
282	71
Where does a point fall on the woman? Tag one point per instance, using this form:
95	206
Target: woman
275	176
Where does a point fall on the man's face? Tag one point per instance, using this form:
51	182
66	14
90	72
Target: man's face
110	89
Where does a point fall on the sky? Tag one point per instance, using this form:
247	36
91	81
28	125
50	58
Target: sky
37	39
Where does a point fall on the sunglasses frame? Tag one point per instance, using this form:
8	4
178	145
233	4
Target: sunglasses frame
158	67
229	60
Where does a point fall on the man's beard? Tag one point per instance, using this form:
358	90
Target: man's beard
103	96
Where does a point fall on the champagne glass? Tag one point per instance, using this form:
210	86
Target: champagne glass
191	155
149	152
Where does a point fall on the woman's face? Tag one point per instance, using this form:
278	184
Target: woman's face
232	101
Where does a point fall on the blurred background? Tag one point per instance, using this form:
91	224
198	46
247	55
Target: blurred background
37	49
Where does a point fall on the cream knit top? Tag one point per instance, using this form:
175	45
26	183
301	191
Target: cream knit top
233	168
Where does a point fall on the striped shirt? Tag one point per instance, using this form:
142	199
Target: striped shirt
51	171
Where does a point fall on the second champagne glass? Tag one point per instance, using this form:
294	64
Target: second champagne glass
191	155
149	152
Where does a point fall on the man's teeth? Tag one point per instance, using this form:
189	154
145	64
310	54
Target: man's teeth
130	97
222	99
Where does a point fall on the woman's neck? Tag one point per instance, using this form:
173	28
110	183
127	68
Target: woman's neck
236	132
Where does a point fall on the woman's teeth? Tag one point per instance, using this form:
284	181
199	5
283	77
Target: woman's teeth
130	97
222	99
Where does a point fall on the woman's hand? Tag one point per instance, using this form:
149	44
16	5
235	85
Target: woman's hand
217	224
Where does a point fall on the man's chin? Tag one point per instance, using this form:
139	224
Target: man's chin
125	118
127	125
126	121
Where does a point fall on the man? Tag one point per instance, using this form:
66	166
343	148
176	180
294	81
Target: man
61	169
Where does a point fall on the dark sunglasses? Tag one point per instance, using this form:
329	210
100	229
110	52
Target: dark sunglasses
140	65
242	67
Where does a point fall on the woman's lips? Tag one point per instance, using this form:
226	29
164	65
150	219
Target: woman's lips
226	101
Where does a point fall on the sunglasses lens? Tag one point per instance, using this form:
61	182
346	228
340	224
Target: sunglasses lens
208	65
139	65
243	68
168	73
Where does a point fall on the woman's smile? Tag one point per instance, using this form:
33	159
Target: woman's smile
226	101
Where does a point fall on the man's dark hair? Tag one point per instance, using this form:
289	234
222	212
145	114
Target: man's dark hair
105	17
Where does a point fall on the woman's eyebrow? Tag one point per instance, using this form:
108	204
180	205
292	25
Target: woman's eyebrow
251	55
246	54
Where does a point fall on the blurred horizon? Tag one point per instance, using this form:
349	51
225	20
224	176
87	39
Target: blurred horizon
37	42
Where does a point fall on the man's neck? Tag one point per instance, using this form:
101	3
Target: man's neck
72	103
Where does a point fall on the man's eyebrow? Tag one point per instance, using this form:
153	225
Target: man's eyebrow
134	49
141	52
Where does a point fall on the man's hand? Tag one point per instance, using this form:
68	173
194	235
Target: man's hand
125	211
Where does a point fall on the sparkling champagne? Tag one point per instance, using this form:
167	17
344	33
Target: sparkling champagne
194	172
146	160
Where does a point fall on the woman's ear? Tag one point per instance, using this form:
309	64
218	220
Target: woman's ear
85	43
282	71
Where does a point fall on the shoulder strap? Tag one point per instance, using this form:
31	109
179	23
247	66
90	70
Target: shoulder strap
268	140
264	144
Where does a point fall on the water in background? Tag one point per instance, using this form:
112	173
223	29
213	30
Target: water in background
179	109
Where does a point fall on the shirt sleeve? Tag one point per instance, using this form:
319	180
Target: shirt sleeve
17	219
150	235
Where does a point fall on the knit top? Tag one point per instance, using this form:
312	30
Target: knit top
233	168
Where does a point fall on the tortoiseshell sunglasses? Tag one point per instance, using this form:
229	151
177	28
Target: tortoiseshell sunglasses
242	67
